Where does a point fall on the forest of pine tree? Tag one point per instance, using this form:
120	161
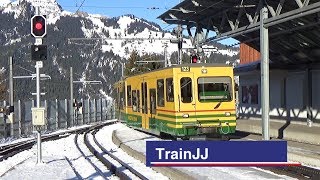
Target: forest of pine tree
135	63
3	88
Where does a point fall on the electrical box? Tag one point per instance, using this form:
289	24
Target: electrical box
80	110
1	118
10	118
39	116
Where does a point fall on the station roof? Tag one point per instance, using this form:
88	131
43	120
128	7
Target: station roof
294	25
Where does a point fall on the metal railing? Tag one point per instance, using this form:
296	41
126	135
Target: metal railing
58	116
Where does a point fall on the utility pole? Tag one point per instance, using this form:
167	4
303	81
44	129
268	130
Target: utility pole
73	114
179	44
122	70
71	96
38	66
264	49
165	55
38	53
11	94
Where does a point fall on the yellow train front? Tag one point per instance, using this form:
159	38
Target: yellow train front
183	101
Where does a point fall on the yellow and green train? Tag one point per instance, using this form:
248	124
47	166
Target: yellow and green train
182	101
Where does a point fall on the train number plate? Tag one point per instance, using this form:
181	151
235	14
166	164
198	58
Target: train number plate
185	69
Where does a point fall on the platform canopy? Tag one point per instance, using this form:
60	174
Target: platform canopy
294	25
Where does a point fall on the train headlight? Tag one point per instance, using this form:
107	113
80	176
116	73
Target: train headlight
227	114
185	115
204	71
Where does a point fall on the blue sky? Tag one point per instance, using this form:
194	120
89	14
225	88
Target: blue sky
147	9
140	8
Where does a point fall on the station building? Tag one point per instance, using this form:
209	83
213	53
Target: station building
293	89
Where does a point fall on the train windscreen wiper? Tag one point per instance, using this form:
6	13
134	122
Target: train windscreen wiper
218	105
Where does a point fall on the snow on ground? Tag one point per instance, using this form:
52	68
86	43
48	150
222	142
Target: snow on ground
61	159
11	140
104	137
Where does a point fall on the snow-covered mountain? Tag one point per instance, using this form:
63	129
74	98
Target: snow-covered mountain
106	41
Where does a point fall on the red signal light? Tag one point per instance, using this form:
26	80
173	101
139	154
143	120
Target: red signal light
38	26
194	59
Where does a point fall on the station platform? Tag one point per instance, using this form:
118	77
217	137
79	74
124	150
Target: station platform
292	131
303	141
134	143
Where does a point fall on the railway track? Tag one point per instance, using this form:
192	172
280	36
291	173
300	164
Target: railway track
10	150
115	165
15	148
300	172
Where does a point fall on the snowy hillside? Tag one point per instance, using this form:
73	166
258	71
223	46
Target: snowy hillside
99	29
94	44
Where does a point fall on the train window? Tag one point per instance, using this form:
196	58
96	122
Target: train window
214	89
129	96
138	101
142	97
152	101
169	92
160	92
144	105
186	89
118	98
122	97
134	101
145	98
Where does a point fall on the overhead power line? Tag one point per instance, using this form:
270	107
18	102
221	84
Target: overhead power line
80	5
116	7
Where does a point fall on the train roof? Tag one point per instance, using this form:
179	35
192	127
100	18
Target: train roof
183	65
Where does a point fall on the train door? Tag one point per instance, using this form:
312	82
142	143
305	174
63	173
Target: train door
152	105
187	94
144	104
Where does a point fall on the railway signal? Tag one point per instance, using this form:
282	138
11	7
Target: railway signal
194	58
7	110
38	26
39	52
77	106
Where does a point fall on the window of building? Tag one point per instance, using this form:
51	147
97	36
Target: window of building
186	89
170	90
249	94
129	96
160	92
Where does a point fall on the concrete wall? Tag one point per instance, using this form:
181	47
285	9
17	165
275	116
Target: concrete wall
288	95
315	94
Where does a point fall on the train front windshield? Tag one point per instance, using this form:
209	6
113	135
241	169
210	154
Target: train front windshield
214	89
